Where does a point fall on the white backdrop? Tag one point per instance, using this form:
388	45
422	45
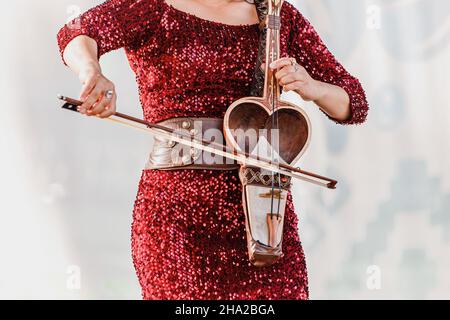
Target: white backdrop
68	183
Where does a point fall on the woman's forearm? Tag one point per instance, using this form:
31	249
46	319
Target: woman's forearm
334	101
98	93
81	54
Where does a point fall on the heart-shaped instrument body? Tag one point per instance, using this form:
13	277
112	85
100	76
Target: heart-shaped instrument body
253	114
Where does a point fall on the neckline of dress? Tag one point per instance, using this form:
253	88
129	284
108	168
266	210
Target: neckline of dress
214	23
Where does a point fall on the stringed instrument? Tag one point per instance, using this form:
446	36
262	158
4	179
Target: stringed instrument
270	127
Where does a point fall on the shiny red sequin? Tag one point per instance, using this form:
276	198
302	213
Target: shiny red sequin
188	234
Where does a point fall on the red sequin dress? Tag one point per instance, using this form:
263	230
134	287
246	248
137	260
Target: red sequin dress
188	233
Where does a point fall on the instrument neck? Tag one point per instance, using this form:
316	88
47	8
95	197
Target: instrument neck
273	24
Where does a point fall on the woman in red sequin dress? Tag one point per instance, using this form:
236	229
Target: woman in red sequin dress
188	233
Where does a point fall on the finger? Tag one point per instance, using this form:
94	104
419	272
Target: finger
296	85
285	71
291	77
263	66
281	63
100	106
94	97
109	110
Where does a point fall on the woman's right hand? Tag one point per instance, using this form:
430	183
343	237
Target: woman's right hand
94	96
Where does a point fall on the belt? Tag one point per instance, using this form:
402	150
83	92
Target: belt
170	155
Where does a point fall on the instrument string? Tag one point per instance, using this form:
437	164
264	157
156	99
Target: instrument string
272	117
278	143
272	159
275	135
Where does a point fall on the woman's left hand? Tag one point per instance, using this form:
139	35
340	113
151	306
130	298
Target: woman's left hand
293	77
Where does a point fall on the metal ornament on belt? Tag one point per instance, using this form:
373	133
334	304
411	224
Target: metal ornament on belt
167	154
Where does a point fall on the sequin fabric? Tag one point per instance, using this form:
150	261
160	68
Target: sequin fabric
188	232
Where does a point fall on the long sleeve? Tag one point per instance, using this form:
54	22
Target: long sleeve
307	47
113	24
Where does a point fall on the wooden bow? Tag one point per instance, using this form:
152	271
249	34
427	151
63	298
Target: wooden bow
207	146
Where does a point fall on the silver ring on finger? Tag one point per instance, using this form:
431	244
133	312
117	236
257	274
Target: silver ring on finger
109	94
295	65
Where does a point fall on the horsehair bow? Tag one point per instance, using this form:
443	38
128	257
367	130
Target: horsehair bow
208	146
